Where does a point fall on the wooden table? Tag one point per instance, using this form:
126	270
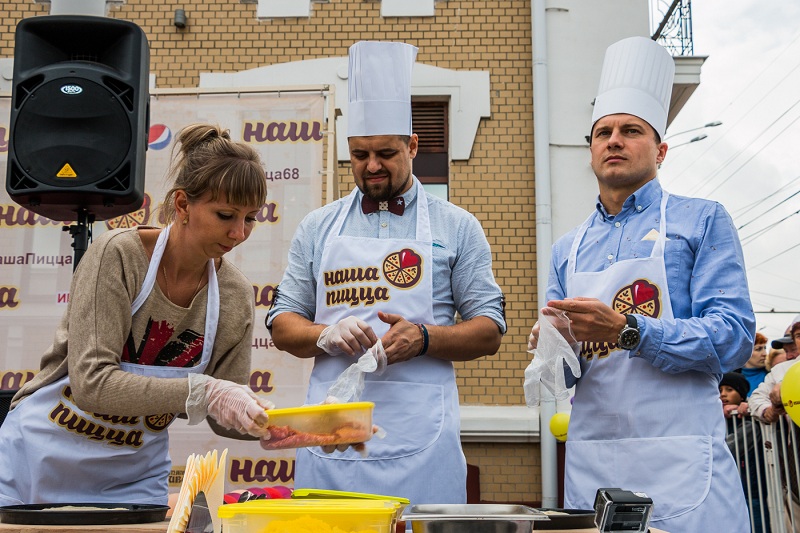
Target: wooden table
161	527
155	527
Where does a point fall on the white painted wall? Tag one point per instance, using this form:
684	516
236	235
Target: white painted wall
578	33
467	91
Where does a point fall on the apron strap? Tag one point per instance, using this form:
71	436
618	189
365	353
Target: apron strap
211	322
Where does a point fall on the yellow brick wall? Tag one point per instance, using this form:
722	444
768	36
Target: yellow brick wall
509	473
496	183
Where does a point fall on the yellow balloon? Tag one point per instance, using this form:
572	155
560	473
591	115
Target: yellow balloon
558	426
790	393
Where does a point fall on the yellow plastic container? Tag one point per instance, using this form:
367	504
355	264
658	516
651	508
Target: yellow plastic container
401	503
319	425
309	516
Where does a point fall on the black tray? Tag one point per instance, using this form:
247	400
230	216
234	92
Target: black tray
109	514
574	519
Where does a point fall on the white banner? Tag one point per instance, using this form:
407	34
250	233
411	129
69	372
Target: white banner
36	256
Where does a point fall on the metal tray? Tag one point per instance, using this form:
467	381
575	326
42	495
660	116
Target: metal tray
473	518
573	519
47	514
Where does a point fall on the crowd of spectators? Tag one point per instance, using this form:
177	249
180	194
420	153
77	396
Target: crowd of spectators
754	392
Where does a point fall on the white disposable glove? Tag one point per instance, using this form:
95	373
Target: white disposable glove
233	406
349	336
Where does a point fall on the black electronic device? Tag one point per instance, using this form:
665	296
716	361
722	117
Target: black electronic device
622	510
79	117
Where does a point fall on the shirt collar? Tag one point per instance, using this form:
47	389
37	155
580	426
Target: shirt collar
637	202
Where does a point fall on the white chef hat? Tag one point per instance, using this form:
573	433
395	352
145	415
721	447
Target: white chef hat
636	80
379	87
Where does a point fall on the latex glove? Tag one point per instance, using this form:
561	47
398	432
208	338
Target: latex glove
349	336
233	406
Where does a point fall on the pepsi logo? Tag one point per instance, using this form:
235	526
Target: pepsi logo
71	89
159	137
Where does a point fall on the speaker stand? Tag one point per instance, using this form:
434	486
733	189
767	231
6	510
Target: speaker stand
81	234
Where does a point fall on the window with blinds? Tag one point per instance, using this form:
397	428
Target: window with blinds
431	165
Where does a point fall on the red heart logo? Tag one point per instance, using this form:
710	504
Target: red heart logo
643	292
408	258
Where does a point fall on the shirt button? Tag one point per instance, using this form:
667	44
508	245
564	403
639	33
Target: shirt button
610	257
639	208
617	224
384	224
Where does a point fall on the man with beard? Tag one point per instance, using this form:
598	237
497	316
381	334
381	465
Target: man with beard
389	262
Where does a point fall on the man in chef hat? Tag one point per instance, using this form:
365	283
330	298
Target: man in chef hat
389	262
655	289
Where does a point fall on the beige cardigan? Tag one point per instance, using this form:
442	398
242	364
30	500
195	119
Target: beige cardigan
89	340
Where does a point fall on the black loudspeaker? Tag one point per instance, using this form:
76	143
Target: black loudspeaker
79	116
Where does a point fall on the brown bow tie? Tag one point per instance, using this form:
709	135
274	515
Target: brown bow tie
395	205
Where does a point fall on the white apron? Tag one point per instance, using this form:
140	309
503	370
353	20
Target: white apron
50	457
416	401
637	428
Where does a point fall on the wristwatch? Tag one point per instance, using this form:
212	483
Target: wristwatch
629	336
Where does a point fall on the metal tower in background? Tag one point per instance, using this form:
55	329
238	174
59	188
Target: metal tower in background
672	23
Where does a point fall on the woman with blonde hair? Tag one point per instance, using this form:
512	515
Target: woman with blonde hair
775	356
158	325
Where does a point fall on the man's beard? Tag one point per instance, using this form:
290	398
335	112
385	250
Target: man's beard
381	193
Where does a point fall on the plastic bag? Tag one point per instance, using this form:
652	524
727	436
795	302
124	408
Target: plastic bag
556	345
350	383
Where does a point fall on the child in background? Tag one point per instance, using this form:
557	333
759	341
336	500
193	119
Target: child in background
733	391
744	441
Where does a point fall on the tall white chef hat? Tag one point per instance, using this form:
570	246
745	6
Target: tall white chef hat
379	87
636	80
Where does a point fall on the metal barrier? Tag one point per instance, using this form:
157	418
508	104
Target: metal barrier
767	456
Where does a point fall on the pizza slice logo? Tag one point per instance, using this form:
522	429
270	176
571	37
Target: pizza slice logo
140	217
640	297
158	422
403	269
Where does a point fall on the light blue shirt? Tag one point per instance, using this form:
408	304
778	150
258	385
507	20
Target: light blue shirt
463	280
714	324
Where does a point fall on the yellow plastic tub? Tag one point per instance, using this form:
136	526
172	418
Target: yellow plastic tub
323	494
320	425
309	516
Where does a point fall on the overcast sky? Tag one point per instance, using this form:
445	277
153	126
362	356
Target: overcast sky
751	163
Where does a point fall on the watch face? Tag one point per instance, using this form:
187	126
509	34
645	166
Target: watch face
629	338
